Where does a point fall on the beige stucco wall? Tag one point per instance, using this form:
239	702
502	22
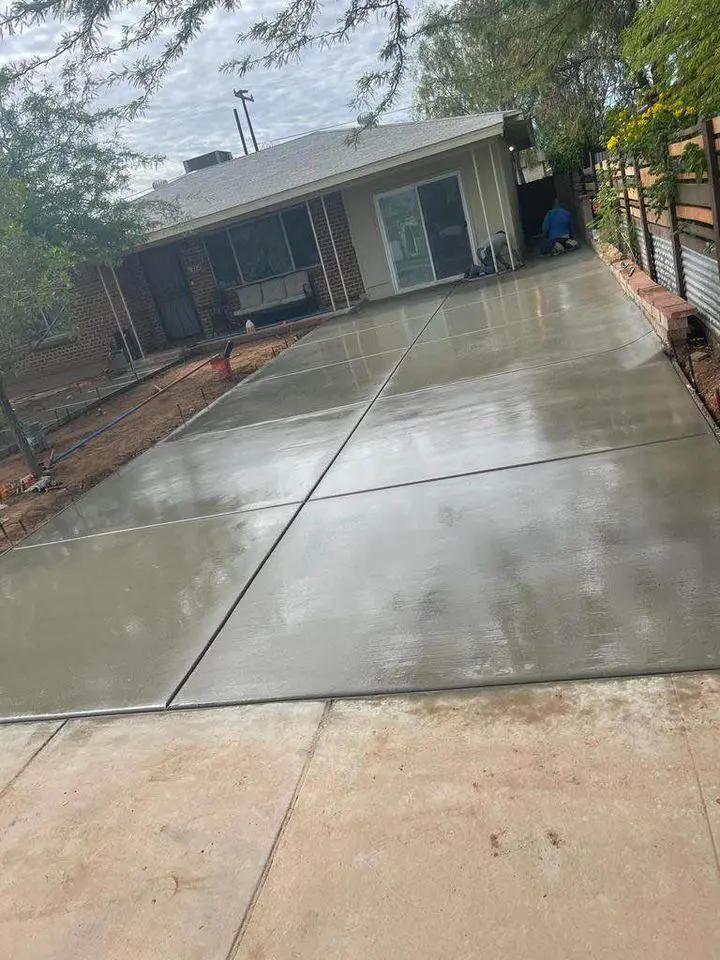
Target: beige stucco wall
365	229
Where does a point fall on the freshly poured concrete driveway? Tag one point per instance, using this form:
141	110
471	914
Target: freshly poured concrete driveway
495	482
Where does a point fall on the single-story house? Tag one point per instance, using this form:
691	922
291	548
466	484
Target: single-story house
312	225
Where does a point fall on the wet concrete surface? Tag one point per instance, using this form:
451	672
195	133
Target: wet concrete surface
531	316
364	343
623	398
111	622
312	391
588	549
513	347
599	565
203	476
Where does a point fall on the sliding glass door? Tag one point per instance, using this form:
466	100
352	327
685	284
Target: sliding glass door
406	239
426	233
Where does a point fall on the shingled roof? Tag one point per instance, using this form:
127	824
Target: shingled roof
316	162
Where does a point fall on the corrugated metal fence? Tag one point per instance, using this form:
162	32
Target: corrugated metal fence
664	263
669	241
702	286
641	249
700	272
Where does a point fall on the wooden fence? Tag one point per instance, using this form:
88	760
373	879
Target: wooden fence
680	247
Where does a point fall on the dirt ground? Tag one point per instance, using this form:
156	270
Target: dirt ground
86	467
700	363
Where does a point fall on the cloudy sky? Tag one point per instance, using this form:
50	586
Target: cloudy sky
193	112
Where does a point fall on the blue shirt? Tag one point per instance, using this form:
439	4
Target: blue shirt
557	223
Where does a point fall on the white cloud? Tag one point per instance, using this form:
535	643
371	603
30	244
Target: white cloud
192	113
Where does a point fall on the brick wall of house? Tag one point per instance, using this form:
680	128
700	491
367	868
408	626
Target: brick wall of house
92	338
94	328
141	304
198	272
204	290
345	252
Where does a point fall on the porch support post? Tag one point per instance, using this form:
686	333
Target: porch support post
127	312
117	321
322	262
337	258
510	239
482	204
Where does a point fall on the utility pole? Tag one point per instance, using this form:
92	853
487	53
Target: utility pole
240	131
246	98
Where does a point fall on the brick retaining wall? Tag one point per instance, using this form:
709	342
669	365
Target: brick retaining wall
667	312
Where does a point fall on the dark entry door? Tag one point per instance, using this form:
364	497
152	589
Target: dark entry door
173	299
446	226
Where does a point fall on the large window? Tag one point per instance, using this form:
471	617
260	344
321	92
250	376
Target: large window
51	322
259	249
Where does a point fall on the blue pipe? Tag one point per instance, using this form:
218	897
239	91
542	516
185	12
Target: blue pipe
97	433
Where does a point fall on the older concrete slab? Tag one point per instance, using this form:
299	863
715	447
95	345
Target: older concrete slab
547	823
145	837
618	399
599	566
699	703
201	476
112	622
342	384
19	743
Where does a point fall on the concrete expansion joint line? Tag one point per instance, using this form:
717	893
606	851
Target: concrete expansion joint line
698	781
308	496
50	737
282	829
585	454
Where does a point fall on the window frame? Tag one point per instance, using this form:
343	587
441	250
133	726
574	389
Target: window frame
241	281
51	326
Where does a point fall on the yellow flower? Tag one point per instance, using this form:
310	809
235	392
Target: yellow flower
612	143
679	113
690	110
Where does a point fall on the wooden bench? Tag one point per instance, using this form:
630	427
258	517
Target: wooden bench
270	296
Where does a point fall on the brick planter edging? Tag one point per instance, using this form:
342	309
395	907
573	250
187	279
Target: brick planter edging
667	312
